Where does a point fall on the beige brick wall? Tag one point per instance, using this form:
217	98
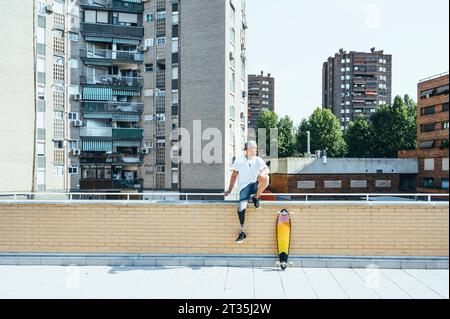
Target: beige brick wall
195	229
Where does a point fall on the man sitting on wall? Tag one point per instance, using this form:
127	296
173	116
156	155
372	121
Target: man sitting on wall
252	175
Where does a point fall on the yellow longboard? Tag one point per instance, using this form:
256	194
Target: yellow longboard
283	238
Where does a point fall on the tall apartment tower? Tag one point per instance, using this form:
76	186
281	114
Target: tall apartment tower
33	85
117	80
261	96
356	83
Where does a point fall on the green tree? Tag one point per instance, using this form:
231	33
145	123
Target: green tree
394	128
359	138
267	120
286	137
325	132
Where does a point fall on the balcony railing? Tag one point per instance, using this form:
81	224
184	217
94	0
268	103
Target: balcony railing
130	107
110	55
111	30
112	80
128	133
111	183
122	159
96	132
116	5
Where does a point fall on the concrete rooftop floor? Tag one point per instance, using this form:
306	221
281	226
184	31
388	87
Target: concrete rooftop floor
219	283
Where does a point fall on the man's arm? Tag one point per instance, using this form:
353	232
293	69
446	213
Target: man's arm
233	179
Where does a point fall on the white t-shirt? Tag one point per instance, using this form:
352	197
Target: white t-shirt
249	170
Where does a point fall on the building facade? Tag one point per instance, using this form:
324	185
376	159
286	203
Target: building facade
343	175
261	96
116	81
432	134
355	84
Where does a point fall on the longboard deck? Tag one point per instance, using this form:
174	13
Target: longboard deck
283	237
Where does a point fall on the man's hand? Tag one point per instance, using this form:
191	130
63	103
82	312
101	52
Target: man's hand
227	193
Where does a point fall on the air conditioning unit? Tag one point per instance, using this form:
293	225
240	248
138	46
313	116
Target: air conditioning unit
77	123
76	152
143	48
76	97
146	151
244	94
49	8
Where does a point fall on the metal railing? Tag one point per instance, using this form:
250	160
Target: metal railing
106	54
272	198
96	131
433	77
134	107
112	30
136	6
112	80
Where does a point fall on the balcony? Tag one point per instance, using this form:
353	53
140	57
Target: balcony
127	133
114	159
109	184
113	81
96	132
111	30
115	5
96	56
114	107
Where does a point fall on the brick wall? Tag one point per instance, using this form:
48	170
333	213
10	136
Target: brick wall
211	229
282	183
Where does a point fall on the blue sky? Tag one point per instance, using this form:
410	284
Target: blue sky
292	38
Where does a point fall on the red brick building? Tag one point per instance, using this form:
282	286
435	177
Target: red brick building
343	175
432	135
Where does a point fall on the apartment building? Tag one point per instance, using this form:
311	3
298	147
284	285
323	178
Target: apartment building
115	82
355	84
261	96
33	81
432	134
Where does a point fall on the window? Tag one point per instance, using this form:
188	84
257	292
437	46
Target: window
232	81
445	107
149	17
149	42
333	184
232	35
428	127
175	97
72	116
428	164
161	15
74	63
73	37
102	17
149	68
428	110
444	183
42	6
58	145
161	41
383	183
445	125
41	149
73	170
41	21
428	182
73	144
175	73
445	164
174	45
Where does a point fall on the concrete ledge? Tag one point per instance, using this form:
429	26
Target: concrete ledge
223	261
222	203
